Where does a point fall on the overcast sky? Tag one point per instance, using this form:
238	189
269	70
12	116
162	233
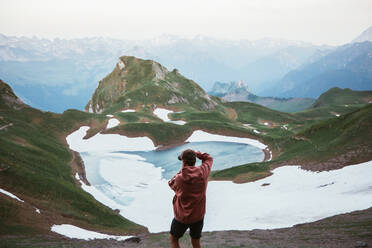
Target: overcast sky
332	22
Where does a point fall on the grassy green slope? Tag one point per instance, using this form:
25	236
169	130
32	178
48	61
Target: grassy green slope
329	144
337	96
272	125
35	165
348	138
289	105
268	122
335	102
252	113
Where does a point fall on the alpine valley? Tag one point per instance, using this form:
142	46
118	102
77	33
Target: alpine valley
291	169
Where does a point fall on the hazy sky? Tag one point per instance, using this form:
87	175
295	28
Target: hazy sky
331	22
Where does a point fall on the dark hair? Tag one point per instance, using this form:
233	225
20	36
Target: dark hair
188	156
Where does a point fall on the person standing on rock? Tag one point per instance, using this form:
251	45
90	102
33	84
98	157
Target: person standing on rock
189	185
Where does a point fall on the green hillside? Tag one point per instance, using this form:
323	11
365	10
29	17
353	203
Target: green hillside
35	165
337	96
329	144
332	143
334	132
336	102
137	83
289	105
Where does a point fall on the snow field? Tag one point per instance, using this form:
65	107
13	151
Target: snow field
80	233
10	195
201	136
163	114
128	111
293	195
113	122
107	142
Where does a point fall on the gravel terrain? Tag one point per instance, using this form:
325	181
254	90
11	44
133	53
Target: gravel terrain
346	230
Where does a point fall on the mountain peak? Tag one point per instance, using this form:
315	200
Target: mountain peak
157	70
234	87
138	83
366	35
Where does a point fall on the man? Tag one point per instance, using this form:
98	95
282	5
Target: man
189	185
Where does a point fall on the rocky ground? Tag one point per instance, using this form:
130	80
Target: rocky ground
346	230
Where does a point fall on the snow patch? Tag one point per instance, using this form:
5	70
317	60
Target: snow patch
163	115
121	64
110	116
75	232
37	210
271	155
10	195
291	190
257	132
201	136
233	206
112	123
107	142
128	111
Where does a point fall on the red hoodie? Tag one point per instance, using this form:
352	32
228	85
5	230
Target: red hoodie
190	185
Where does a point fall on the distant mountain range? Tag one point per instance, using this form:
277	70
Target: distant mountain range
349	66
239	91
37	165
58	74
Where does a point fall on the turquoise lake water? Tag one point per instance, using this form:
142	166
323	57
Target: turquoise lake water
225	155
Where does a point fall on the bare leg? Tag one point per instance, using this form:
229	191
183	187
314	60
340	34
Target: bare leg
174	241
195	243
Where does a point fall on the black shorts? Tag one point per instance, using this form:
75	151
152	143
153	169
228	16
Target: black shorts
178	229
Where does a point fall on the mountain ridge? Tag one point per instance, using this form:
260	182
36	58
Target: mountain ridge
366	35
348	66
60	73
235	91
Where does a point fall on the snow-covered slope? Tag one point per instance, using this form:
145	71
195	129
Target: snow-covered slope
366	35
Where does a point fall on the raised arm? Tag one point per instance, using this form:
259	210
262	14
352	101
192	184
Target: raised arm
207	161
